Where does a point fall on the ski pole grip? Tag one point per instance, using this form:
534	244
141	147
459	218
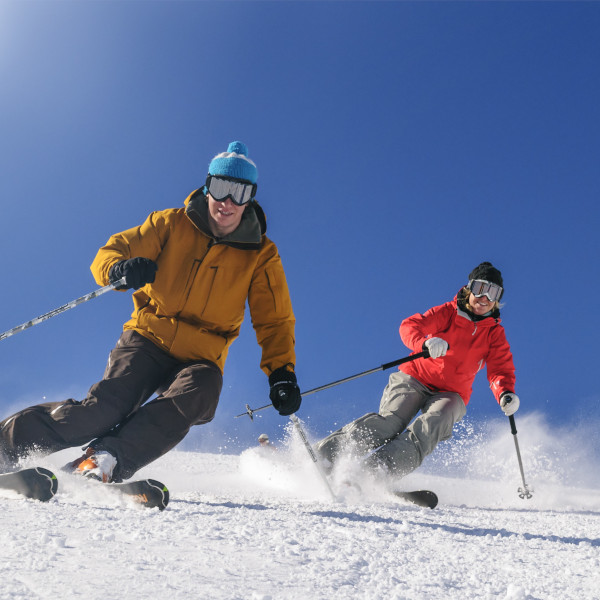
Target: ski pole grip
423	354
513	426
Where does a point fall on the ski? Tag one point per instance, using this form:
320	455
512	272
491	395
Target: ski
424	498
149	493
36	483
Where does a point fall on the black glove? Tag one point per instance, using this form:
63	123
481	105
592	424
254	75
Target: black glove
285	393
138	272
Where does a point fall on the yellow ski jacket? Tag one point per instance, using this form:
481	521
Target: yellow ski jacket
195	307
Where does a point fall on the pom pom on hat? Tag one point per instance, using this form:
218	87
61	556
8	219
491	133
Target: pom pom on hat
234	163
487	272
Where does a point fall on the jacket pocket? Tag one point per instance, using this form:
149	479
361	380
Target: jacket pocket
278	289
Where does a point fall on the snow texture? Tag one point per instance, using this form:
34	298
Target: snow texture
262	526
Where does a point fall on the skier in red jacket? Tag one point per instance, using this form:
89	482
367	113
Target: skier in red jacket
462	337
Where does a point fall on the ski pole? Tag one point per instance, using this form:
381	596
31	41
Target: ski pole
63	308
424	354
524	491
297	425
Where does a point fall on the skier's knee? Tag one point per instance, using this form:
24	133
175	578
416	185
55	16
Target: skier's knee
194	412
360	424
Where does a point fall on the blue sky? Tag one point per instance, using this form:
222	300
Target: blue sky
398	145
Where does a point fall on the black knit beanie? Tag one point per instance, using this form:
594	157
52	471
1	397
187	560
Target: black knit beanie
487	272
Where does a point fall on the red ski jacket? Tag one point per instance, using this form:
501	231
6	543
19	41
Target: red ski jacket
472	345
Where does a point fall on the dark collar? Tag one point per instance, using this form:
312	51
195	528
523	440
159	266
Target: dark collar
248	235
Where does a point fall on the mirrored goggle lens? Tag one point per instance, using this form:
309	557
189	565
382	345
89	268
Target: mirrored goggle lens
480	288
221	189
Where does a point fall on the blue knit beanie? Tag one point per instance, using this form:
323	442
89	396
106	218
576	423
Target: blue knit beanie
234	163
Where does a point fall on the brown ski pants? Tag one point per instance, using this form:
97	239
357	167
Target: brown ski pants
116	415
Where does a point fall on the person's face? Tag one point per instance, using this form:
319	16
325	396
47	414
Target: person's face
480	306
225	217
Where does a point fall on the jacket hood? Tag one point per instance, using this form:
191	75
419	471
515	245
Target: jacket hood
247	236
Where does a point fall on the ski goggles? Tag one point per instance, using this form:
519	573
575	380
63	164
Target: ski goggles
238	190
480	287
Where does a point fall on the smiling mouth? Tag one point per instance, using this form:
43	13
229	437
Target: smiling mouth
482	305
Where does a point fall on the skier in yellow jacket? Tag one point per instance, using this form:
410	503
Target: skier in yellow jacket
193	269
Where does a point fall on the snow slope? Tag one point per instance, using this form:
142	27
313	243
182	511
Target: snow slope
261	525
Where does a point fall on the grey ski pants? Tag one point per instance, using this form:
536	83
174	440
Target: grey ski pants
400	445
116	410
